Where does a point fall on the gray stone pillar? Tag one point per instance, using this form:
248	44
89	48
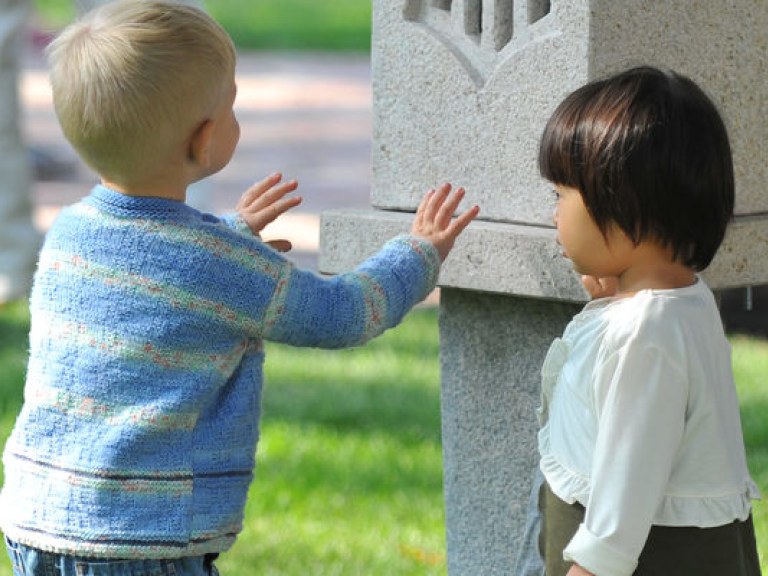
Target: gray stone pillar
492	347
462	90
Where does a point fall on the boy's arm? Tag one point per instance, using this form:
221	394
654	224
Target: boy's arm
351	308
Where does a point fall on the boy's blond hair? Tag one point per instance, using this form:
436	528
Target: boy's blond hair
133	80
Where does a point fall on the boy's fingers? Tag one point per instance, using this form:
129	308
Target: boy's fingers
447	210
276	209
435	202
422	208
281	245
259	219
267	191
262	186
277	191
458	225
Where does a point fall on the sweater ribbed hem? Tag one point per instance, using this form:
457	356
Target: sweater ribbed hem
116	549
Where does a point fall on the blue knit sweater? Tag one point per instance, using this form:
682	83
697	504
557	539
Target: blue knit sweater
138	433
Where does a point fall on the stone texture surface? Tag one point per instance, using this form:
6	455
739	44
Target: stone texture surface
439	114
449	107
488	257
518	259
492	348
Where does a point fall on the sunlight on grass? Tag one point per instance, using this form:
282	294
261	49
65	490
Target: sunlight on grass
343	503
349	476
350	466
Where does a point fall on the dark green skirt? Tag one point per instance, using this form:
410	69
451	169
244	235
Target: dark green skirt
728	550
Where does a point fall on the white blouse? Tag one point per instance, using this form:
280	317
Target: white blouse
640	423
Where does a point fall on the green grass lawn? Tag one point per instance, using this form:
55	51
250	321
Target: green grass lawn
349	479
269	24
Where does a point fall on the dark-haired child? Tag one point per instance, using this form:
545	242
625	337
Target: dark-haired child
641	443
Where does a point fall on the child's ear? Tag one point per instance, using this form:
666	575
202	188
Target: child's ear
199	146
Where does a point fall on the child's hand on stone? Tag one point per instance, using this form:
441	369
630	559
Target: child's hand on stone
264	202
434	218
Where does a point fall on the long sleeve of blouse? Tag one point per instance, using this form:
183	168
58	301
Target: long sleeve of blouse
641	403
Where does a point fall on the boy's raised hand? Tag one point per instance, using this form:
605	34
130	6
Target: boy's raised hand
264	202
434	218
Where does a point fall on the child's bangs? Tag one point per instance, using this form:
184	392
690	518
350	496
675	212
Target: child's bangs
560	151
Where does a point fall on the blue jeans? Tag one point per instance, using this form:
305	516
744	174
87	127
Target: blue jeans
32	562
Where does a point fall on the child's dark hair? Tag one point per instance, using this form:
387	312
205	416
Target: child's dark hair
649	152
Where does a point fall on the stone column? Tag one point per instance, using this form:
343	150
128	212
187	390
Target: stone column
462	91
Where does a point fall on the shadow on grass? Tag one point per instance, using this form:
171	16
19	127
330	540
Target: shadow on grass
755	426
402	411
390	386
14	326
755	423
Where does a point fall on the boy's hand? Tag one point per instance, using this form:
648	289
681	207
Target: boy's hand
600	287
264	202
434	218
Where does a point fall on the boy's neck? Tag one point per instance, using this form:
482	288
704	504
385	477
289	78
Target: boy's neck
178	193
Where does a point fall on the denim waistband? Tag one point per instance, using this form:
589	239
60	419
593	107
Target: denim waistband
28	561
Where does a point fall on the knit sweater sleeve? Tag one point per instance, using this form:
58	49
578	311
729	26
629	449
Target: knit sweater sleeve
350	309
236	223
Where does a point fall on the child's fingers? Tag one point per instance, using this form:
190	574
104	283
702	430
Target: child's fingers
448	209
435	202
274	210
258	219
419	220
281	244
257	189
457	226
600	287
267	191
275	194
591	284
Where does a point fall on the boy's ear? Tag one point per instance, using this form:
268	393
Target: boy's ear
199	146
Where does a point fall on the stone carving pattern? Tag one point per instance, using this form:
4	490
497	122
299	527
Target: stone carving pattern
478	31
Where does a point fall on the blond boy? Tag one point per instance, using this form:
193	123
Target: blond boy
135	447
